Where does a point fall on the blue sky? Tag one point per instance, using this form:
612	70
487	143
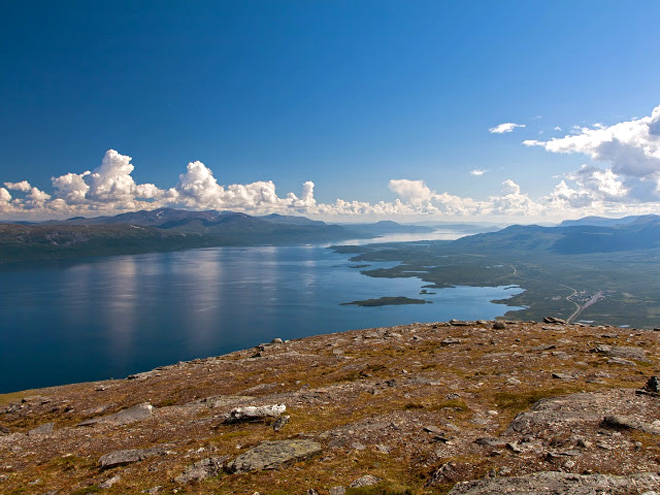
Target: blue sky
347	95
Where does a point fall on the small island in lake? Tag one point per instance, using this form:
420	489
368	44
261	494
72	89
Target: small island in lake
387	301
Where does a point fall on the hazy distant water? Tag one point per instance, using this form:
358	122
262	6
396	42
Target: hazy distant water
114	316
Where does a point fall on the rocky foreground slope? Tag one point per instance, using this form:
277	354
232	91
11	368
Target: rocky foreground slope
459	407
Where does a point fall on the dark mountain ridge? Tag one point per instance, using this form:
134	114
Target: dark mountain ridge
606	222
640	233
167	229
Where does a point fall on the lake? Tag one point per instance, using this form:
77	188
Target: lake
110	317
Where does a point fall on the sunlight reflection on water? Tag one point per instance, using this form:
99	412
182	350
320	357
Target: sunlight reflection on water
114	316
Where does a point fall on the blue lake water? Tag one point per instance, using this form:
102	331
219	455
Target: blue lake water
109	317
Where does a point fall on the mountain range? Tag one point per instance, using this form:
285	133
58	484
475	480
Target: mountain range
590	235
167	229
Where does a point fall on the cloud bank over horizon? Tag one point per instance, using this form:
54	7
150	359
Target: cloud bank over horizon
627	183
629	150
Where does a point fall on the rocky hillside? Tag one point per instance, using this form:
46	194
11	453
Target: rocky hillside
458	407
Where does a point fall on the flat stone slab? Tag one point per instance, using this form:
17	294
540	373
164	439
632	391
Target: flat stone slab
45	429
557	483
587	410
130	415
625	352
271	455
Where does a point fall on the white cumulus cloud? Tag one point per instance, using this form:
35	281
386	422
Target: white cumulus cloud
505	128
70	187
23	186
110	183
110	189
629	150
510	187
413	191
5	196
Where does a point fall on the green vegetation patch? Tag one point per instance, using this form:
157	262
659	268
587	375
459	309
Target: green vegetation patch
521	401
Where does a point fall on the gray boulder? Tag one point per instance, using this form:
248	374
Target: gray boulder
652	385
270	455
255	413
109	482
553	320
281	422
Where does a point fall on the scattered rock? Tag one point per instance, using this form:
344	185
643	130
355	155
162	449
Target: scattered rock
489	442
553	320
514	447
221	400
123	457
450	341
433	429
449	471
563	376
143	376
458	323
4	430
270	455
281	422
109	482
499	325
337	490
254	413
383	449
124	417
558	483
366	480
154	489
311	491
211	466
277	340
